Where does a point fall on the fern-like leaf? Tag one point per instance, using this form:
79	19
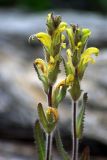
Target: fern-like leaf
60	147
81	117
39	139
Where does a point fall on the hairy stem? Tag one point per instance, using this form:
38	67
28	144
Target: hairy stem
74	138
49	136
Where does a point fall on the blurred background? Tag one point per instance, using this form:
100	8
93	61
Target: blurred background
20	89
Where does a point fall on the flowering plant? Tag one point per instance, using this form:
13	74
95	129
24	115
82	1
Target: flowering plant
78	56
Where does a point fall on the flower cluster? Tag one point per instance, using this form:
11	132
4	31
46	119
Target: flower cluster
53	42
77	58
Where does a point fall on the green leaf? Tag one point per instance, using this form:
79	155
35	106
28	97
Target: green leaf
68	67
75	90
60	147
80	118
53	72
58	95
70	35
43	78
85	35
85	154
42	117
48	126
39	139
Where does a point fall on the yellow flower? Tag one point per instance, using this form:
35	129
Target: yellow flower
41	65
44	38
87	55
52	112
85	58
69	61
62	26
60	84
69	80
51	63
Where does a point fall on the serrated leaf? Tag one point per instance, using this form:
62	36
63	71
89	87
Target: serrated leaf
80	118
60	147
39	139
85	154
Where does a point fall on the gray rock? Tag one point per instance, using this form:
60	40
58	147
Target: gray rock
19	23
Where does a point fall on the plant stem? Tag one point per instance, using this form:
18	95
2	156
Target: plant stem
49	136
48	146
77	144
50	96
74	138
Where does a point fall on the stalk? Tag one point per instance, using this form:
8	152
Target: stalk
49	135
48	146
74	138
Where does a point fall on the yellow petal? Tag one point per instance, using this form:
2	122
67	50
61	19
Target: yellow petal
41	64
69	56
62	26
51	63
69	79
62	37
52	60
88	59
60	84
63	45
87	55
44	38
86	31
54	112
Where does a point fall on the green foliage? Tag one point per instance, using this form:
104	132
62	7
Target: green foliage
75	90
42	117
53	72
43	78
45	120
39	139
58	95
60	147
80	118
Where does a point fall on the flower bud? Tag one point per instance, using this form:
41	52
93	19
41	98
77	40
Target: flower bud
52	115
75	90
50	23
